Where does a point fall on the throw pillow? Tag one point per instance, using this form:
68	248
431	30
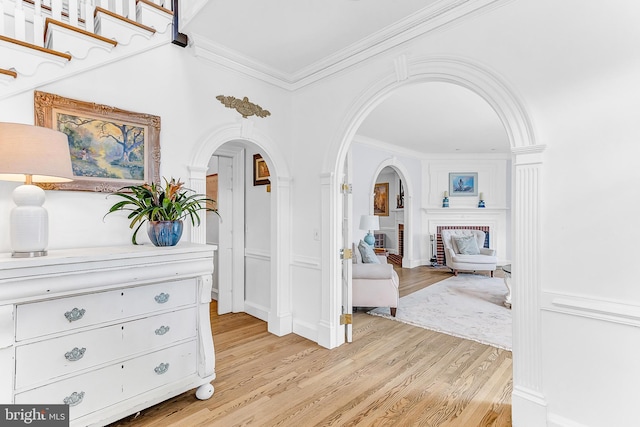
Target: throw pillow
368	255
467	245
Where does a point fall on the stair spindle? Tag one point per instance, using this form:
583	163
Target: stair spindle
38	24
119	7
19	21
56	9
131	10
89	9
73	13
2	15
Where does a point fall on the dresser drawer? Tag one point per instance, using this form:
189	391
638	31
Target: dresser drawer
160	296
49	359
65	314
159	331
159	368
85	393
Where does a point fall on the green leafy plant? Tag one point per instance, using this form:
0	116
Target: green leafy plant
152	202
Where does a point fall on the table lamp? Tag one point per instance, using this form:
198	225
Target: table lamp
32	154
370	223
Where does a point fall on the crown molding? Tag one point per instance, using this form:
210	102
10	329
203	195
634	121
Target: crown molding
433	17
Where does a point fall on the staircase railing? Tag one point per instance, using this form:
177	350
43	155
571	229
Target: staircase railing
24	20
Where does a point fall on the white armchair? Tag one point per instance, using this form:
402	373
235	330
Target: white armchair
374	285
469	257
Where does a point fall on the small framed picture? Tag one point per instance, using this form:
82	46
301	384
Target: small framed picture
260	171
463	184
381	199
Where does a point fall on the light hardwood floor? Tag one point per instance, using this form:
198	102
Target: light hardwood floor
393	374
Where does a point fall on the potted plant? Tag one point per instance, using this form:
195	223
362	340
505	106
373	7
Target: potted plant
162	208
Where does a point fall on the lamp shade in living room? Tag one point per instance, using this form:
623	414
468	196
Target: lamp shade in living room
32	154
369	223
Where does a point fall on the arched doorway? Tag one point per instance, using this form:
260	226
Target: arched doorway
528	399
244	135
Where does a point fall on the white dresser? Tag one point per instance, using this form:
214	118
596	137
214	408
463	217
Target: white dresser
107	330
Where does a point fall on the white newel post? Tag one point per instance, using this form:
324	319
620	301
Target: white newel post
528	401
198	183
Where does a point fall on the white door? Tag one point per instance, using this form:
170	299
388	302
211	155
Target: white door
225	245
347	263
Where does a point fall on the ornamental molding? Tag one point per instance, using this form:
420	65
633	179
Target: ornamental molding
243	106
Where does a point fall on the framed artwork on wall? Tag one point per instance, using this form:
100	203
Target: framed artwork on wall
463	184
110	148
381	199
260	171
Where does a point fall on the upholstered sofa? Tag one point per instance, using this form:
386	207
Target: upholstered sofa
374	285
465	259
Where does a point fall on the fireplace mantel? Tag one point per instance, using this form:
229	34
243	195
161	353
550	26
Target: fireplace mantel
494	218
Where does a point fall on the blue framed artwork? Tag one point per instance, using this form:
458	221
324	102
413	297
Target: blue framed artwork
463	184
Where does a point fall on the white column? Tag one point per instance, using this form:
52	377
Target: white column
330	332
280	314
528	401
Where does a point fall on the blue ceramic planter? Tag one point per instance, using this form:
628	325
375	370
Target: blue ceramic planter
164	233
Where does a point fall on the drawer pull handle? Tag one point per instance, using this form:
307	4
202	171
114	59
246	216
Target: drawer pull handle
74	399
161	368
162	298
75	314
75	354
162	330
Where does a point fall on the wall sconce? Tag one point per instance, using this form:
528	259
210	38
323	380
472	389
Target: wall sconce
32	154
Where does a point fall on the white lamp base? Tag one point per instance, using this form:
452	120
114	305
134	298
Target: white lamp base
29	230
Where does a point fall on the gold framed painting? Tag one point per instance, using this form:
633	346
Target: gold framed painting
109	147
381	199
260	171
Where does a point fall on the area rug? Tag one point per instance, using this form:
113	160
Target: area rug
468	306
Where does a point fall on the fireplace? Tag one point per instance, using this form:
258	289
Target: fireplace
440	245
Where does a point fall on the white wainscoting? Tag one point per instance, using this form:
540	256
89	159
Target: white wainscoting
306	271
257	283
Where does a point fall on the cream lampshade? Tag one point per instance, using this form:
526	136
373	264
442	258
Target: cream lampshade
32	154
369	222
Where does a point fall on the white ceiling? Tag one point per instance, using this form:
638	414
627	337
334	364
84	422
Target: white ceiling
298	38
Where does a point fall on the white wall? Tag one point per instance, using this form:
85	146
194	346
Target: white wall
167	82
573	66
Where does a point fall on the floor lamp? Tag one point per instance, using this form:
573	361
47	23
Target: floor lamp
369	223
32	154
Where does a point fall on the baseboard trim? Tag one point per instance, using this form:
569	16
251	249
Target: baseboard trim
305	330
257	310
528	408
555	420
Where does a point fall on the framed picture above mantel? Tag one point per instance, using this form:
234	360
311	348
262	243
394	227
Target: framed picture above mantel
463	184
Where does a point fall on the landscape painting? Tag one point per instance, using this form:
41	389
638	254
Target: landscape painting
104	148
463	184
109	148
